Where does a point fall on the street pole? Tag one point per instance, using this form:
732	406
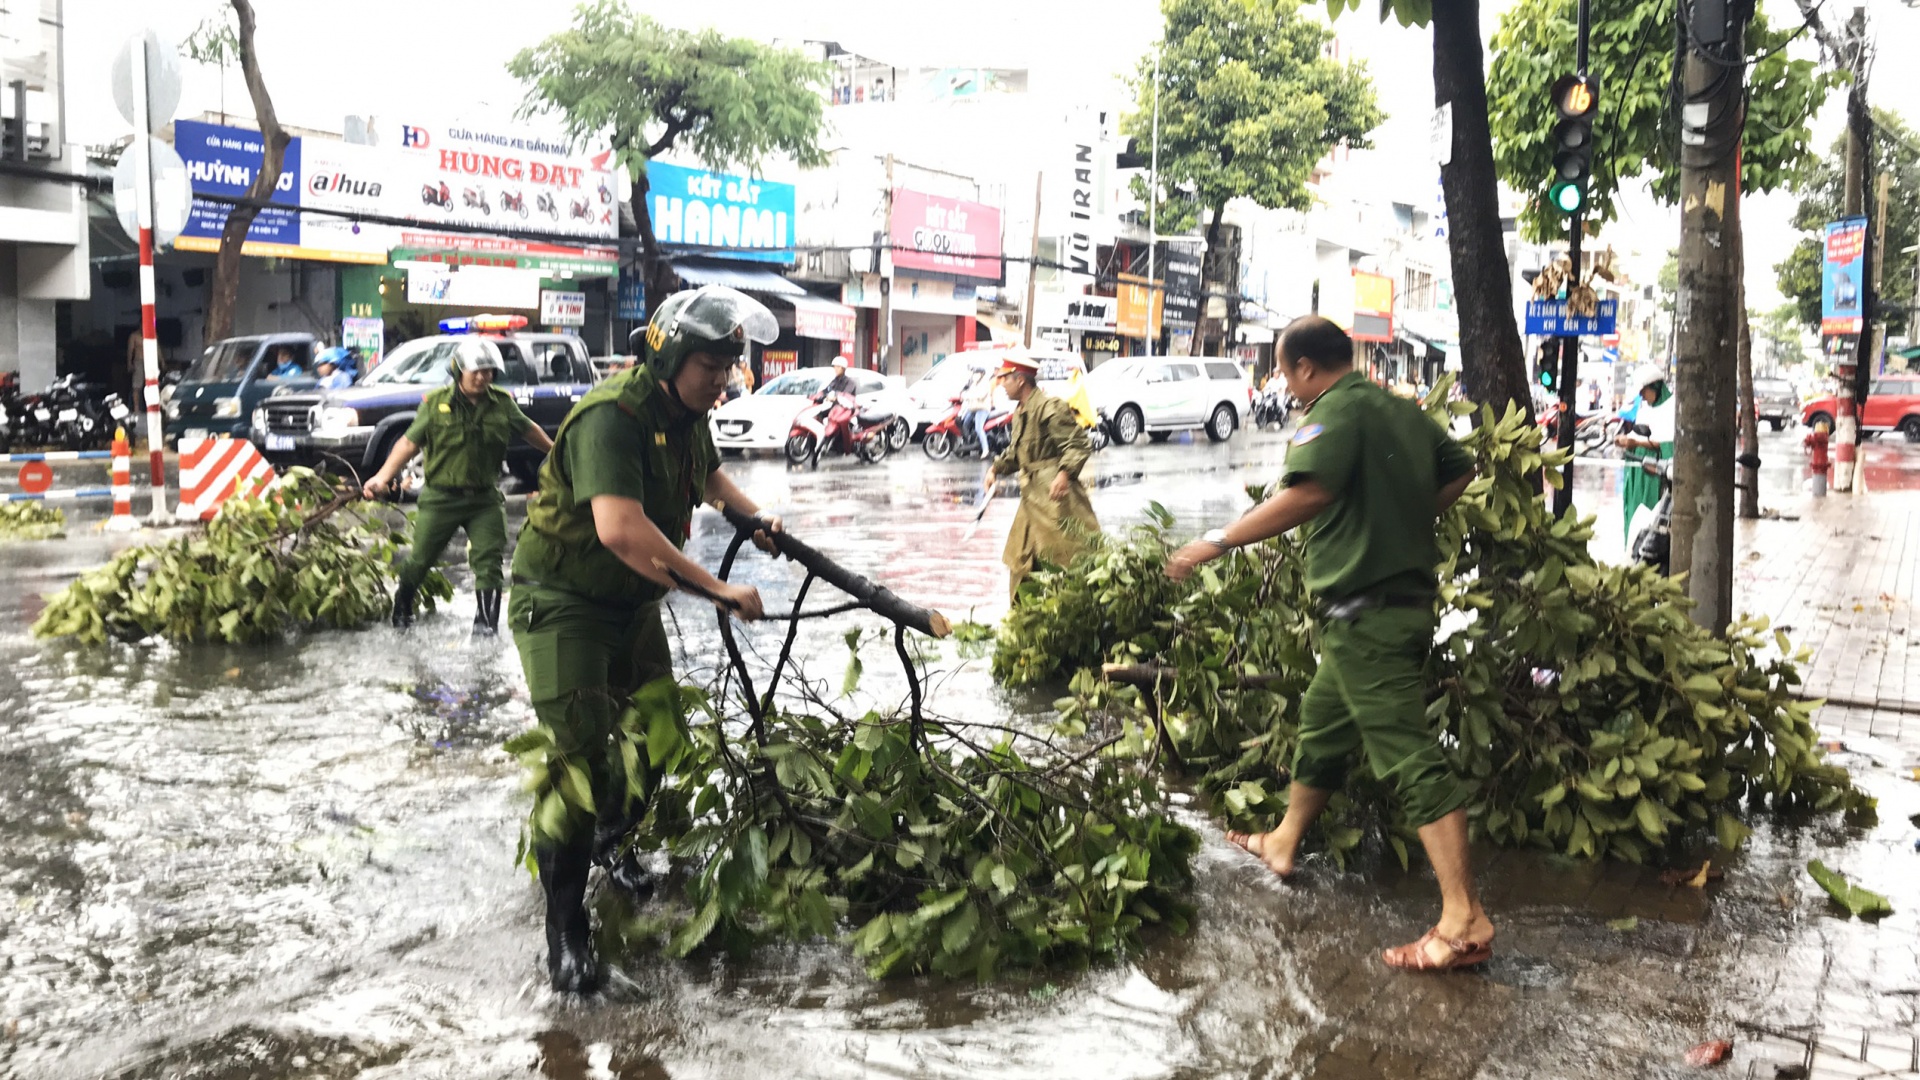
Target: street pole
1033	251
1848	392
1703	470
158	514
1153	202
886	278
1570	346
1876	255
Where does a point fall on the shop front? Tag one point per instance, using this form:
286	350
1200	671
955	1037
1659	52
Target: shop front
932	319
559	288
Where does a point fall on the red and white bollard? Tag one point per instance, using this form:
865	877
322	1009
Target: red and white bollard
122	519
1817	463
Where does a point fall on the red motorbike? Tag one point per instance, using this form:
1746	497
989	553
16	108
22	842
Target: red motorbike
950	435
838	425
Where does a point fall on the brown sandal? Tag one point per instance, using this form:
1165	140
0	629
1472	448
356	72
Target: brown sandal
1245	842
1462	954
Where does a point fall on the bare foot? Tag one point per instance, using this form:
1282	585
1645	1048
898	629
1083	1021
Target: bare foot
1256	844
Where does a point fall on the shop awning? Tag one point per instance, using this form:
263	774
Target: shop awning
816	317
742	278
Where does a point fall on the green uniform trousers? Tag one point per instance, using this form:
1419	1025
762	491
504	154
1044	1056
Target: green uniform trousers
442	513
1367	695
583	661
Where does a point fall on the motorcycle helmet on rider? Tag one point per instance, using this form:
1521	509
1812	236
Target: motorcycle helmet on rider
711	319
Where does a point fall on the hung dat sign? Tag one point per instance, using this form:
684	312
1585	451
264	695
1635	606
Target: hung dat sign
732	217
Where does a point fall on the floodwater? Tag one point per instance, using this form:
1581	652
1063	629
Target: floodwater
289	862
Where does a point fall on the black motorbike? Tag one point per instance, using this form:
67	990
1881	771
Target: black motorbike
1270	409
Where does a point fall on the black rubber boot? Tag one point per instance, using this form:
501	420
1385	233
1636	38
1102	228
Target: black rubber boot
624	871
571	966
403	598
486	611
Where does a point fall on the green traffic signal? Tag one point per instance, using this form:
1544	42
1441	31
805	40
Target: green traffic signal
1567	196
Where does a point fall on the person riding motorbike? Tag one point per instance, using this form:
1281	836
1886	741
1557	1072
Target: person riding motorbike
976	407
841	391
331	366
1655	412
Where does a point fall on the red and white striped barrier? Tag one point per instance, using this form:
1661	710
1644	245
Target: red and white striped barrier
122	519
211	470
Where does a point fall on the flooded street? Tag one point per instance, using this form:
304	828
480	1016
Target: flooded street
297	862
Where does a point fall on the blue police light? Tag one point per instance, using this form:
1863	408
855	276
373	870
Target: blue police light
482	324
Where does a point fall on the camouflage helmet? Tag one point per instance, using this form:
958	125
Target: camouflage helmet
713	319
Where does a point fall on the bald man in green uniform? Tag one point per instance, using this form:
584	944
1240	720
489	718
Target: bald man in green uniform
616	504
1367	474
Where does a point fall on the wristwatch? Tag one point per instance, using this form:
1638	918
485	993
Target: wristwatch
1218	538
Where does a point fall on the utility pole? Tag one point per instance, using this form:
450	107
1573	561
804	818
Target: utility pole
1876	258
1033	249
1712	117
1153	203
886	279
1849	378
1570	346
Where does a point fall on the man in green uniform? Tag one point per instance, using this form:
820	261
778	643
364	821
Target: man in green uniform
464	429
616	504
1049	448
1369	474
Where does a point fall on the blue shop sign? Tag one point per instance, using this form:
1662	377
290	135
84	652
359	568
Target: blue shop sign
633	299
729	217
223	161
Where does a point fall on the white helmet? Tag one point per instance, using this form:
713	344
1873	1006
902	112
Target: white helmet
1648	375
840	363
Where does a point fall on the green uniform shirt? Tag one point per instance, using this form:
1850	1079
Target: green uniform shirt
1384	462
628	438
465	442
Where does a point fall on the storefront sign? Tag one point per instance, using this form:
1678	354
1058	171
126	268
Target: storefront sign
1138	312
1182	275
1077	193
949	236
475	176
1841	309
563	308
1372	307
224	161
1106	343
736	216
1075	312
926	295
815	322
367	335
633	298
469	249
777	362
473	286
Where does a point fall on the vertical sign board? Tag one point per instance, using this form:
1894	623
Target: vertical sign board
633	298
948	236
563	308
1841	277
1139	304
733	217
1372	307
1182	297
224	161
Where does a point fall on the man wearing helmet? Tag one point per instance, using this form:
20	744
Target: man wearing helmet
1048	450
464	429
1655	412
616	504
842	383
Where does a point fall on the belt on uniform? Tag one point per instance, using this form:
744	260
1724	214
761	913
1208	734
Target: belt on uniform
1353	607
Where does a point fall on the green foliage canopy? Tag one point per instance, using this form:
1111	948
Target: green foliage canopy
1248	106
1896	154
1630	50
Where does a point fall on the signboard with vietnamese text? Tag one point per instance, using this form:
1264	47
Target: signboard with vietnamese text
1075	312
948	236
224	161
1182	298
507	179
736	217
559	308
1841	276
1552	319
1372	307
1138	307
777	362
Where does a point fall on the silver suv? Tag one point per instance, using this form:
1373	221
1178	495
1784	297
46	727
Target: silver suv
1164	394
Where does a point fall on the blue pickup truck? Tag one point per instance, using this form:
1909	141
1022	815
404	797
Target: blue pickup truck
230	380
356	428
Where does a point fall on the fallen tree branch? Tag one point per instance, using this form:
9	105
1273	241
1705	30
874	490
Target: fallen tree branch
1151	675
876	598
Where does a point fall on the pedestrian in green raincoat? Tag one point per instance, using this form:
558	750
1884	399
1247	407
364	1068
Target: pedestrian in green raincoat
1055	521
1656	413
464	430
616	502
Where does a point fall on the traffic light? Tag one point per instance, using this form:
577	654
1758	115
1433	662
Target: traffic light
1576	98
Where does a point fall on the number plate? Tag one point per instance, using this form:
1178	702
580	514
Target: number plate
121	412
194	433
279	442
43	415
68	416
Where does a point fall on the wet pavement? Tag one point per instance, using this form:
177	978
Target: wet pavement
295	862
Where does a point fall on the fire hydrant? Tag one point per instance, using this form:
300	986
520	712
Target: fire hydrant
1817	462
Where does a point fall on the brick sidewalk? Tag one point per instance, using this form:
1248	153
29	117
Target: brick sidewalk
1841	581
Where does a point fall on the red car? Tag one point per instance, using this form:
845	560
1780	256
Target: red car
1893	404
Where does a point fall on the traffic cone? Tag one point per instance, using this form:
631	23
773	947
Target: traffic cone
122	519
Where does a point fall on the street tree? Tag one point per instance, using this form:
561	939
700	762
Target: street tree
1248	104
1779	332
1819	183
1494	363
649	89
1630	50
219	42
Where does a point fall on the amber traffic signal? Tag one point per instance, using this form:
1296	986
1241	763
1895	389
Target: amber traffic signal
1576	99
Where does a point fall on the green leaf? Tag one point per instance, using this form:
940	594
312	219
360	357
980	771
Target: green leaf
957	932
1628	923
577	788
1859	902
696	930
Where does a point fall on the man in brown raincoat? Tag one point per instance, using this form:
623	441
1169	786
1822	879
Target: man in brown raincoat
1055	521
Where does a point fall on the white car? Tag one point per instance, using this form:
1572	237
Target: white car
1164	394
933	393
763	419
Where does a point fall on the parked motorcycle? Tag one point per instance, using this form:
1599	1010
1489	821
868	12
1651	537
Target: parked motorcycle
835	426
440	196
513	200
68	414
547	206
952	435
476	199
1270	409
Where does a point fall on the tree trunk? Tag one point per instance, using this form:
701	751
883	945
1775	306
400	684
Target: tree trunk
1207	270
655	272
1749	484
226	265
1493	361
